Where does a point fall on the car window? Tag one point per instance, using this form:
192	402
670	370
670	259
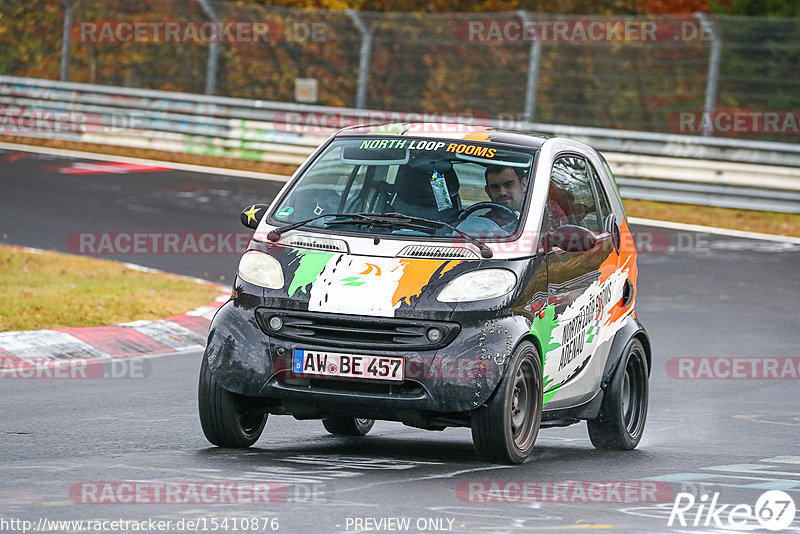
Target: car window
436	179
321	189
602	200
613	183
356	197
571	199
473	183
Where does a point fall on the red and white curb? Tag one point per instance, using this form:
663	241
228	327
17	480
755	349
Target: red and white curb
96	344
43	349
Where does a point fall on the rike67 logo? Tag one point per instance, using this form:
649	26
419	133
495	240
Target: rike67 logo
774	510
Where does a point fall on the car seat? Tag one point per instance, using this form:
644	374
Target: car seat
413	194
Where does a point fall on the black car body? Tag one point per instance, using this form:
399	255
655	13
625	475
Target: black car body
373	289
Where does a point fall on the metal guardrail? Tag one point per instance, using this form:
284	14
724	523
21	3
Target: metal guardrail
669	168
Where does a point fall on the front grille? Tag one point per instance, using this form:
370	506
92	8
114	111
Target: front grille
350	331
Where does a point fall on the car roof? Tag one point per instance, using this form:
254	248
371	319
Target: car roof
454	131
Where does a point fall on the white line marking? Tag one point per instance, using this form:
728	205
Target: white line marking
783	460
142	161
714	230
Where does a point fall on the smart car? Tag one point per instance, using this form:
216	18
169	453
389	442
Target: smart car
439	275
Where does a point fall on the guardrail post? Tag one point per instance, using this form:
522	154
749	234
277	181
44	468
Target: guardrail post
213	50
713	66
66	44
363	60
533	72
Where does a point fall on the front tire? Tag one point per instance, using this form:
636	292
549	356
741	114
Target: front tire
623	412
348	426
504	429
224	416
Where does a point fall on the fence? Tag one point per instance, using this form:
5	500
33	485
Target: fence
672	168
682	74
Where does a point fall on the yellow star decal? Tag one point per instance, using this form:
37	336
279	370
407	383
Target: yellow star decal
251	213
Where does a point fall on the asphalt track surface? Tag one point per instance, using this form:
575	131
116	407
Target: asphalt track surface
703	296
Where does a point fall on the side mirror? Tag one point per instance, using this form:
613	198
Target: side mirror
252	215
572	238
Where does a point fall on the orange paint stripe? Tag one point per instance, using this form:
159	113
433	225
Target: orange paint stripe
627	258
481	133
416	275
370	268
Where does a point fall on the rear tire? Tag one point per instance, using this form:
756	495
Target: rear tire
505	428
623	412
224	416
348	426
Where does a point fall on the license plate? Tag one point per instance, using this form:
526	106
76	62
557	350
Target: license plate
313	362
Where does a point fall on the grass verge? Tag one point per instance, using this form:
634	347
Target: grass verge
51	290
766	222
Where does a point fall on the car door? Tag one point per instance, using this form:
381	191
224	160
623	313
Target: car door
575	290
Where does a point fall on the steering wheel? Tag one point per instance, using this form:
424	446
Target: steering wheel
483	205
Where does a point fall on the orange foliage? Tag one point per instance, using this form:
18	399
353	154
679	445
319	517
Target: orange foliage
672	7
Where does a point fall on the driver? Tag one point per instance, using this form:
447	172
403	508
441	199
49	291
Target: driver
505	186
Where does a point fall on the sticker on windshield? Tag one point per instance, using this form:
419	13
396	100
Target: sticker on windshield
284	212
440	191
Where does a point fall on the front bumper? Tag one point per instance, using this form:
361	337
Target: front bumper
455	376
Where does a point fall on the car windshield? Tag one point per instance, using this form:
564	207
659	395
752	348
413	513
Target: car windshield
479	188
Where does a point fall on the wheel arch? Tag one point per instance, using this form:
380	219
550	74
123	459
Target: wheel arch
632	329
645	340
527	337
530	336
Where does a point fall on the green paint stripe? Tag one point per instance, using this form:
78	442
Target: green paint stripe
311	265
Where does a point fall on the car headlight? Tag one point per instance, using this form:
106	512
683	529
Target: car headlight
261	269
478	285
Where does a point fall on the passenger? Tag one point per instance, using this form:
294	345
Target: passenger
559	201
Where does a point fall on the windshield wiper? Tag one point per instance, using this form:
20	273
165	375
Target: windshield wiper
379	219
275	234
486	252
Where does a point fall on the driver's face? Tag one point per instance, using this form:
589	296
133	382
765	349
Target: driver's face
506	188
